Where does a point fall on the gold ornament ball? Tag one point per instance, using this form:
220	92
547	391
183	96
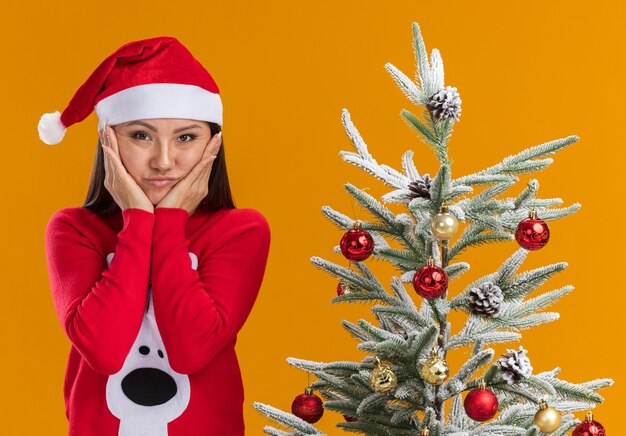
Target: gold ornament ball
444	226
435	370
548	419
383	379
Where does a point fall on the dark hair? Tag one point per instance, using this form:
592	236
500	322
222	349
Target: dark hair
100	201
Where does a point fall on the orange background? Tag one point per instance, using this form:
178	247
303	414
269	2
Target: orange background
526	74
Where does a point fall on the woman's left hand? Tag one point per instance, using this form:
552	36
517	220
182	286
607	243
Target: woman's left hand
189	192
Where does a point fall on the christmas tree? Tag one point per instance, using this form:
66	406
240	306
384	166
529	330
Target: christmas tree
402	387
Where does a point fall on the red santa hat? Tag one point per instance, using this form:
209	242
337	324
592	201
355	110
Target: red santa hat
150	78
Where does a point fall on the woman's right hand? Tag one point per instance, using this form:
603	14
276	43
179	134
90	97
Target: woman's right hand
123	188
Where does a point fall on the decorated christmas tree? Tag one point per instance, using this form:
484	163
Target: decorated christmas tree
401	387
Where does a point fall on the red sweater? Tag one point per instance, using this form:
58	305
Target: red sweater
152	304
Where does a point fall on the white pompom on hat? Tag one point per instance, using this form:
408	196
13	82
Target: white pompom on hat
150	78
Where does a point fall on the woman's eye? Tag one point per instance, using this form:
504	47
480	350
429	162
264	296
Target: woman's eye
136	135
144	136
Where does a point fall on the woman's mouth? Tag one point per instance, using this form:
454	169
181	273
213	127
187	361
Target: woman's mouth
161	182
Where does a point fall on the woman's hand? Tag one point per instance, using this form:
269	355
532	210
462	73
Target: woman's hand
123	188
189	192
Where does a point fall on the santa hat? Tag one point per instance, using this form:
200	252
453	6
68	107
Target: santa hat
150	78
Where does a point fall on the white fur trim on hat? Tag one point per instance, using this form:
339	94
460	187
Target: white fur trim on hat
159	100
51	129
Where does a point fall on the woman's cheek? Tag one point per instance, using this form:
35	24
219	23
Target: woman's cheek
127	160
192	161
199	151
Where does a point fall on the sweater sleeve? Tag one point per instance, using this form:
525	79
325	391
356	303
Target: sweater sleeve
100	308
200	311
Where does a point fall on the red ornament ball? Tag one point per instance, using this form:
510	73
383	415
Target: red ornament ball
589	427
481	404
357	244
343	288
430	281
532	233
308	406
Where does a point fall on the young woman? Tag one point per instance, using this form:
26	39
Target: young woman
153	277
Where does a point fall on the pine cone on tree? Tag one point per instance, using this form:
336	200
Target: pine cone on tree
445	103
486	299
421	187
515	366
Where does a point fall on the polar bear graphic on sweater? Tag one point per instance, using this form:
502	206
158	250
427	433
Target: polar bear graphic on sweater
147	394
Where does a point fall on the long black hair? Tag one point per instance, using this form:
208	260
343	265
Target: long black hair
100	201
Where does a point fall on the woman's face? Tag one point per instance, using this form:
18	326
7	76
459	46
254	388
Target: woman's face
161	147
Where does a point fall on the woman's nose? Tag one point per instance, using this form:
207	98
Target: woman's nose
163	157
